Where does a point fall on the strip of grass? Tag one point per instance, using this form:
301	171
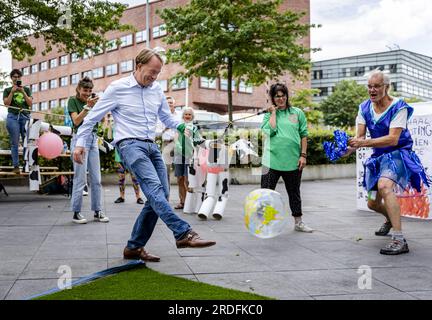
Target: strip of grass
147	284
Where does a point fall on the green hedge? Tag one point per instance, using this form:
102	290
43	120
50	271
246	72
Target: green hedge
315	149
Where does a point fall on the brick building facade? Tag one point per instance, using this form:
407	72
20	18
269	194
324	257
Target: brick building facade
53	77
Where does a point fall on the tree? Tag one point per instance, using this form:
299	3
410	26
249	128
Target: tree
54	119
70	25
236	39
3	80
340	108
406	99
303	100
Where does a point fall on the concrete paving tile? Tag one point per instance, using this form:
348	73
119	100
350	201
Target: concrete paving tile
333	282
365	296
5	286
171	265
422	295
23	289
49	268
272	285
405	279
10	269
222	264
69	251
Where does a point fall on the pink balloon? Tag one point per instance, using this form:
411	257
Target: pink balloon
50	145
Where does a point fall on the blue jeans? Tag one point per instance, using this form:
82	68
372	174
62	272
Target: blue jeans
15	125
145	162
90	161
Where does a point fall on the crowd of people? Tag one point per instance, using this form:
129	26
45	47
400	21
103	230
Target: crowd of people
137	99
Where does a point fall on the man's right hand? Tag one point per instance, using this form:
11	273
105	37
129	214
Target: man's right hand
78	154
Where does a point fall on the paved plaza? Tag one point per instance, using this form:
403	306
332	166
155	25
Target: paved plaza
37	236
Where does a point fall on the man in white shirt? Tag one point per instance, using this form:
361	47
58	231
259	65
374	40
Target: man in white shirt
136	102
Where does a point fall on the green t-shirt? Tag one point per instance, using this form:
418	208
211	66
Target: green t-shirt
282	146
76	105
184	145
18	100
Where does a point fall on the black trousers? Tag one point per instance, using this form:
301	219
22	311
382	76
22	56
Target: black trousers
292	179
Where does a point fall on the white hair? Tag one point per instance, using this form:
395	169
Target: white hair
191	110
383	74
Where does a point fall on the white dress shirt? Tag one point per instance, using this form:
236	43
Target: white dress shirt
135	110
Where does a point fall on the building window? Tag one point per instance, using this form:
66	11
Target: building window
43	66
53	104
323	91
35	107
87	54
34	68
64	60
97	73
178	84
126	40
163	84
140	36
345	72
112	45
43	86
34	87
394	86
98	50
53	83
159	31
74	57
318	74
379	67
245	88
63	81
63	102
393	68
207	83
224	85
87	73
75	78
26	71
357	71
126	66
43	106
53	63
111	69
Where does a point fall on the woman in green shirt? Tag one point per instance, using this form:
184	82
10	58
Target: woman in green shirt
285	147
79	107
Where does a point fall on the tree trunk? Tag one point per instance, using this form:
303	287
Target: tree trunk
230	107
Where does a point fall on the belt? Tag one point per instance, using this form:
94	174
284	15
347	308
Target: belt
139	139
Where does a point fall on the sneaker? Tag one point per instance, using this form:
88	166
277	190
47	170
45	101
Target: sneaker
16	170
301	227
384	230
78	218
100	216
85	191
193	240
140	201
119	200
395	247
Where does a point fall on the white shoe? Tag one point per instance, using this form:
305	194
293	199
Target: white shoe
101	217
78	218
85	191
301	227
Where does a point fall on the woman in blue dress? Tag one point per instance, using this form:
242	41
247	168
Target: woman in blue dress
393	163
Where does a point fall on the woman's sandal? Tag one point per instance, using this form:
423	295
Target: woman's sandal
179	206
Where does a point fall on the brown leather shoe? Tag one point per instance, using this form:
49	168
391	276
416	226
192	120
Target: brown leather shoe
139	253
193	240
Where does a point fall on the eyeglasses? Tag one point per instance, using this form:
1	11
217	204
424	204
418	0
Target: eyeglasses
279	97
376	87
